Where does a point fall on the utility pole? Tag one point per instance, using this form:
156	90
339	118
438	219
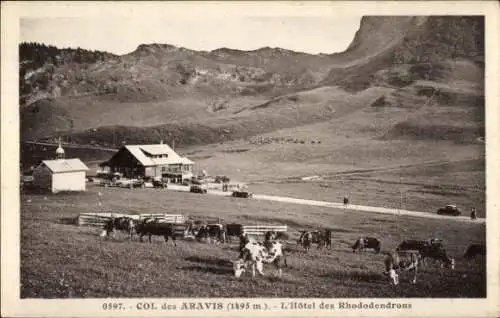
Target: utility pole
400	195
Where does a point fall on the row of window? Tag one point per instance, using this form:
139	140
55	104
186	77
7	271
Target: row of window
175	168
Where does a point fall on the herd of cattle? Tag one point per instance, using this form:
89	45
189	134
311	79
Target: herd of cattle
408	256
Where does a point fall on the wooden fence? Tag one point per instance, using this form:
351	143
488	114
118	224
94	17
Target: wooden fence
208	220
99	219
168	218
262	229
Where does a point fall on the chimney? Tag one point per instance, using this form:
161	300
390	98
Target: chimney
161	142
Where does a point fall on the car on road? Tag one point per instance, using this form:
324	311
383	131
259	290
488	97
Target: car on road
449	210
198	188
242	194
159	184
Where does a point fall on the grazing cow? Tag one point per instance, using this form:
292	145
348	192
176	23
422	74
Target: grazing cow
244	240
401	261
194	227
270	236
306	240
431	248
418	245
122	223
367	242
233	229
321	238
255	254
213	232
475	249
326	239
153	227
438	253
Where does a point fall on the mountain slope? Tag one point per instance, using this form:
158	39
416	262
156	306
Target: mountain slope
205	97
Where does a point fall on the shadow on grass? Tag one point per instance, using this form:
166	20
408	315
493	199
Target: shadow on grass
368	277
210	261
209	269
68	221
210	265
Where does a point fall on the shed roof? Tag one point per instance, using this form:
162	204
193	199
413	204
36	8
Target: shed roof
65	165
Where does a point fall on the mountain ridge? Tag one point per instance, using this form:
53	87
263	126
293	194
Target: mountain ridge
158	86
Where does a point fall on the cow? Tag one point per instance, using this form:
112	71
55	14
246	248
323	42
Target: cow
122	223
194	227
418	245
367	242
475	249
321	238
270	236
213	232
401	261
153	227
432	248
437	252
244	240
327	238
306	240
255	254
233	229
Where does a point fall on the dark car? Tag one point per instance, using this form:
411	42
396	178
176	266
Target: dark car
198	188
159	184
242	194
449	210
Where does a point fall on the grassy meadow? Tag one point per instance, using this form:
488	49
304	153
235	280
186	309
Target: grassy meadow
62	260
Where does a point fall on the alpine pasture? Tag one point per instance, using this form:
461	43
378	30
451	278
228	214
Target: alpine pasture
62	260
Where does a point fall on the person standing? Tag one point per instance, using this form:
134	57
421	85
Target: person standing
473	215
346	200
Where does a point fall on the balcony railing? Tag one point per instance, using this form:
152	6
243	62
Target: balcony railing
175	170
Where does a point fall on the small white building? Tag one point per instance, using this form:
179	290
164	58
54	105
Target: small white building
60	174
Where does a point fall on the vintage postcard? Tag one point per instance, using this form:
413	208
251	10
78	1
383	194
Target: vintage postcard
268	159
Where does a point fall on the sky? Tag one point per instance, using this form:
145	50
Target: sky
327	33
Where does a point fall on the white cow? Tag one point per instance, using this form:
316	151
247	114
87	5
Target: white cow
402	261
255	254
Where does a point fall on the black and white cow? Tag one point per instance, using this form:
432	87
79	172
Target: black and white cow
255	255
323	238
212	232
401	261
367	242
432	248
122	223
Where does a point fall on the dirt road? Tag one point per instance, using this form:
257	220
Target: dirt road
362	208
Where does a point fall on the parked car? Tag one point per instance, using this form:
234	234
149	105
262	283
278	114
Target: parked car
242	194
158	183
198	188
449	210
